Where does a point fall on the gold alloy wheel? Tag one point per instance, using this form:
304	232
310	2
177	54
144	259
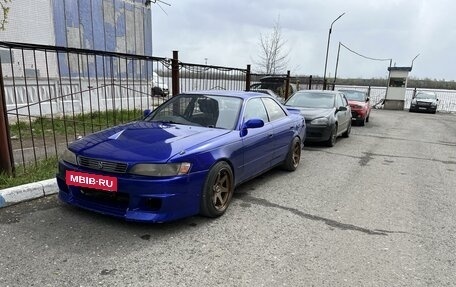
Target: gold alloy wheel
222	188
296	153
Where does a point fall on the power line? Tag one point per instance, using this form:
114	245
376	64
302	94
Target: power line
366	57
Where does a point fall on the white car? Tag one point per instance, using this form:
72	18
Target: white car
159	87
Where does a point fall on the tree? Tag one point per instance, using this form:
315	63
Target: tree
273	58
4	13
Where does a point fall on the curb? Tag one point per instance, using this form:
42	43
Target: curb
17	194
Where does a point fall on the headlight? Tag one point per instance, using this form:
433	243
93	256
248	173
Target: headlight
319	121
434	104
168	169
69	157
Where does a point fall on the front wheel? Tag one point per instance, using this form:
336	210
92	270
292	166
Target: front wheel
346	134
332	137
294	155
217	191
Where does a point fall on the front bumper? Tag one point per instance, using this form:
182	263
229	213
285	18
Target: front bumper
423	107
138	198
317	133
358	114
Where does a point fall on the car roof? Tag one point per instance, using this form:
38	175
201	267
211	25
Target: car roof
319	92
426	92
227	93
273	79
350	90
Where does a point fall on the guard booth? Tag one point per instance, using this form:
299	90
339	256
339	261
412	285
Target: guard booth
397	85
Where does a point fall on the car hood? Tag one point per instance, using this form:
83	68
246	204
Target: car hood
359	103
144	141
313	113
426	100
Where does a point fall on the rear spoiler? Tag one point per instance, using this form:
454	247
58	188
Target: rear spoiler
293	110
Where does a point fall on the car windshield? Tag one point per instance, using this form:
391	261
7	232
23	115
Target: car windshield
199	110
355	95
425	96
311	100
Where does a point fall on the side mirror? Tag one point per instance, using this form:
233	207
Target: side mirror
367	99
342	109
146	112
251	124
437	100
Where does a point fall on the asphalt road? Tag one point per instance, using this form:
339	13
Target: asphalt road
378	209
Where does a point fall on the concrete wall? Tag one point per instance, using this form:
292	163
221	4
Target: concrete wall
108	25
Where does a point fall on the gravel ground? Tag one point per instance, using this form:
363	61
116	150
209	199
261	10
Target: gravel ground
375	210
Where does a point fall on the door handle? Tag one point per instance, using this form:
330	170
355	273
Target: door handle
270	135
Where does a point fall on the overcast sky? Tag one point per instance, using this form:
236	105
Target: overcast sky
227	33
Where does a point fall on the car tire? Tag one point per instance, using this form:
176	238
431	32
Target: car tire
332	137
217	191
367	119
362	122
291	163
346	134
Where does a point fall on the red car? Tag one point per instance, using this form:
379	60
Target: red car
360	105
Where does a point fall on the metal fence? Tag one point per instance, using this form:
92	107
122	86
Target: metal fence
447	98
51	96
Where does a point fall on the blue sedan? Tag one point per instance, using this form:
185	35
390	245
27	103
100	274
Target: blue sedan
184	158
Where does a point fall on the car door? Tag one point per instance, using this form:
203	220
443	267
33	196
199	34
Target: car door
343	116
257	145
283	128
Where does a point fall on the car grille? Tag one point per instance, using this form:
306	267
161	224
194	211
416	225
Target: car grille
424	104
113	199
108	166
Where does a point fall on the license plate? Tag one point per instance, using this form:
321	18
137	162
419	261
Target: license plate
421	108
90	180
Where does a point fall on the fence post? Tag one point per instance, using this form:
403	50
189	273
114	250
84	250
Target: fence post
287	85
248	78
369	91
6	152
175	73
310	82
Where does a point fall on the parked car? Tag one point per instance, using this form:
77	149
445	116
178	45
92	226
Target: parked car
269	92
276	84
159	87
327	114
360	105
185	157
424	101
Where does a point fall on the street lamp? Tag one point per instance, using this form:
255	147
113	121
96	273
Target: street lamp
327	50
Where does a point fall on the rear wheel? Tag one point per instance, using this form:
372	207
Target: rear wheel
218	190
294	155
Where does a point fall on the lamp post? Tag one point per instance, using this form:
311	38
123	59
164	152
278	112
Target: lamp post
327	49
337	65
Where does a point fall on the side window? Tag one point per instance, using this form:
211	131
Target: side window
255	109
273	109
339	101
344	100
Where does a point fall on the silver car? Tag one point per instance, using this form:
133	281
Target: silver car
424	101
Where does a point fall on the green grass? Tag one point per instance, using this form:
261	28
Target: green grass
44	169
80	124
